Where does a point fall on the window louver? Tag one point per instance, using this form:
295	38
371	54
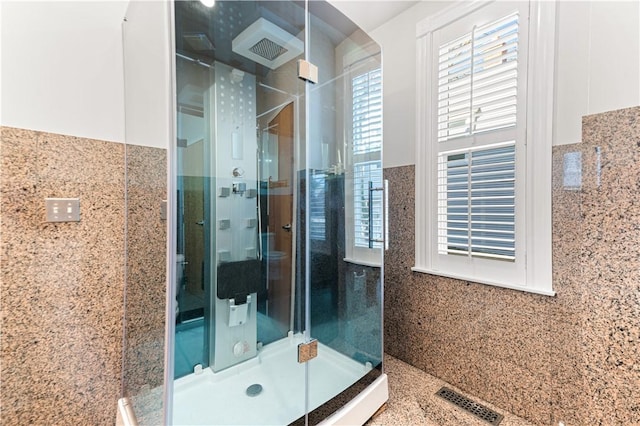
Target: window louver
317	203
476	202
367	112
367	146
477	80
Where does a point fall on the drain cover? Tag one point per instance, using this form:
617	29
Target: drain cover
471	406
254	390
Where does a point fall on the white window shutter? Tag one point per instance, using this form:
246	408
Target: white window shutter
317	205
367	171
476	202
478	80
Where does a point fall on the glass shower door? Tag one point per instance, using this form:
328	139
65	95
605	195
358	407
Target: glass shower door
345	210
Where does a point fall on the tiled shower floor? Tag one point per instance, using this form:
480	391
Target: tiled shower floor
412	401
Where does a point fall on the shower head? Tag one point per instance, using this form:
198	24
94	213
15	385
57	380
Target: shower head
236	75
267	44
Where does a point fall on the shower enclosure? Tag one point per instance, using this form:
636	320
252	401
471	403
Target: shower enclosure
277	216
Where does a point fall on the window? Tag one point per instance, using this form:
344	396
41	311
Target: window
483	170
364	186
317	214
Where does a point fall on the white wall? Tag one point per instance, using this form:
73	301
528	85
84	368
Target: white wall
147	74
597	62
398	41
62	67
597	69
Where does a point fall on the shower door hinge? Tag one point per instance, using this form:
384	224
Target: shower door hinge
307	351
307	71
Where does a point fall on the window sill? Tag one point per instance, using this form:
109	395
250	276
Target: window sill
362	262
486	282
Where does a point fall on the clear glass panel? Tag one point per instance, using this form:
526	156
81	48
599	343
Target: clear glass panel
344	178
147	132
239	111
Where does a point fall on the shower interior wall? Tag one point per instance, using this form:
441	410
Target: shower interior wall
232	109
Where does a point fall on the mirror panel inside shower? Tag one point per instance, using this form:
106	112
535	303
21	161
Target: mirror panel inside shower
270	208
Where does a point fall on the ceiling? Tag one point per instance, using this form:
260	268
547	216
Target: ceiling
370	14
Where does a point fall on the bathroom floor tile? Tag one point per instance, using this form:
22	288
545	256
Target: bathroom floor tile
412	401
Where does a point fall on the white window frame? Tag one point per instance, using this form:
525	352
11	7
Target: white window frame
531	271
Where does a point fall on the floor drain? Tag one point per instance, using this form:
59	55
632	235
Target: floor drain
254	390
472	407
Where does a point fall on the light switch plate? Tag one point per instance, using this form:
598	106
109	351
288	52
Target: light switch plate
62	209
163	210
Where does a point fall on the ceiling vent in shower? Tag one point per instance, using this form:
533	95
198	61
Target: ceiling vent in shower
198	41
267	44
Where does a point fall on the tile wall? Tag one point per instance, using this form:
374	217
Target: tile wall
61	351
143	368
574	357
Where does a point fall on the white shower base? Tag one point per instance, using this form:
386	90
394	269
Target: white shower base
220	398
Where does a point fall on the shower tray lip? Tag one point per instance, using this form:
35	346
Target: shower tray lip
330	374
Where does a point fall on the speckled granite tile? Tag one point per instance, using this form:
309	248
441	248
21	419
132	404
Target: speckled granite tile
610	346
567	222
611	266
19	157
567	373
146	279
412	401
400	255
147	405
74	159
61	283
517	338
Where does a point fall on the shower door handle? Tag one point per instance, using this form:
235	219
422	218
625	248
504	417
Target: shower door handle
287	227
201	223
385	212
